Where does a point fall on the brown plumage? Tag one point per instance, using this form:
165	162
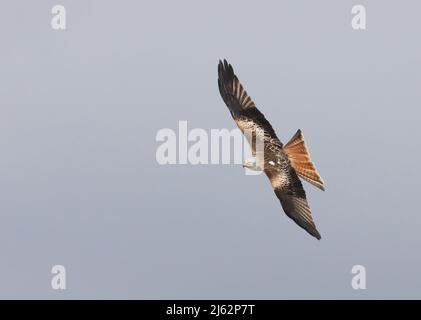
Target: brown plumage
283	164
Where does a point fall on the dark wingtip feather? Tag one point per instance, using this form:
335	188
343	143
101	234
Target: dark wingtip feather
225	72
312	231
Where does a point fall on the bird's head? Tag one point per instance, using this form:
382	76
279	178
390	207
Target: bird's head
252	165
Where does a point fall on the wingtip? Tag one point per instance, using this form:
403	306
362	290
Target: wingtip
314	232
225	71
228	67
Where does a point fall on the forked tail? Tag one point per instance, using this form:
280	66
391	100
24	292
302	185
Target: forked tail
298	154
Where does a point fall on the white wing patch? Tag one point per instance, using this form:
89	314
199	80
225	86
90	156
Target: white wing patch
279	180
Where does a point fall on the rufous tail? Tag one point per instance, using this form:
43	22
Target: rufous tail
298	154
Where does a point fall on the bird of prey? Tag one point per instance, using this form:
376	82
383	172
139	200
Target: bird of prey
283	164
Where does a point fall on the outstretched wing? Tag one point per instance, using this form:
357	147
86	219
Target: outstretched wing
238	101
290	192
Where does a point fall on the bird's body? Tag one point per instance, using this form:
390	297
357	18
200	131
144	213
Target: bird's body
281	163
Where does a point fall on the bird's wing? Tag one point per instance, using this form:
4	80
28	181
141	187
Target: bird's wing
290	192
238	101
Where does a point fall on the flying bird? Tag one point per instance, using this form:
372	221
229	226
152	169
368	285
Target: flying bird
283	164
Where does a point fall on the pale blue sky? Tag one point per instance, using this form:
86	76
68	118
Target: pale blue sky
80	185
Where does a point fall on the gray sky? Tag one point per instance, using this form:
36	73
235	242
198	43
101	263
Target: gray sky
80	185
